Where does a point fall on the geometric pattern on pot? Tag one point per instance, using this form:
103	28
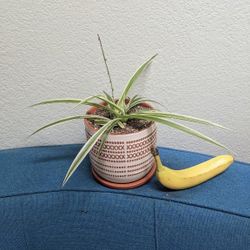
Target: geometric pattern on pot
125	157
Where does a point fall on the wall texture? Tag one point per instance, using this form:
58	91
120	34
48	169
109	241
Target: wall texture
49	49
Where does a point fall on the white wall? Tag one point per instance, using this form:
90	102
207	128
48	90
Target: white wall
49	49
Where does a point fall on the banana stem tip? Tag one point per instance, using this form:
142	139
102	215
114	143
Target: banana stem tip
154	151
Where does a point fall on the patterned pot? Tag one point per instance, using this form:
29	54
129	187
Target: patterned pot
124	158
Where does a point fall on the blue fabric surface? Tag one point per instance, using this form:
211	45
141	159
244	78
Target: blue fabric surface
35	213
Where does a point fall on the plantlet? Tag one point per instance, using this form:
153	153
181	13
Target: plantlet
121	110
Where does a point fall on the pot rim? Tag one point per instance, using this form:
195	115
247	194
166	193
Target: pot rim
89	126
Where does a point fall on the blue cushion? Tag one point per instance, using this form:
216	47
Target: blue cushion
36	213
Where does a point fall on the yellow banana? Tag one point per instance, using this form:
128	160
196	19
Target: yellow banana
189	177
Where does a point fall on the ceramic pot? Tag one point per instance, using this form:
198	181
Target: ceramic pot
124	158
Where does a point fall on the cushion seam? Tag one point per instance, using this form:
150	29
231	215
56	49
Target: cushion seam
128	194
155	226
23	226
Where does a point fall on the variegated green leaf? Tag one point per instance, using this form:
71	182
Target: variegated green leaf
108	96
121	102
111	103
70	118
169	115
85	101
104	137
54	101
87	147
140	102
178	127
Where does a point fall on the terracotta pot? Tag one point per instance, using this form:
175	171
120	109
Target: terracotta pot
125	158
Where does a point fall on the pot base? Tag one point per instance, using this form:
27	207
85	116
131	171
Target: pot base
129	185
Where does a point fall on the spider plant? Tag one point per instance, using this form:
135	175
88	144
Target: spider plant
121	110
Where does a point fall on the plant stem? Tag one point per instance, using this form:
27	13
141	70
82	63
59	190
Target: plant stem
107	68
